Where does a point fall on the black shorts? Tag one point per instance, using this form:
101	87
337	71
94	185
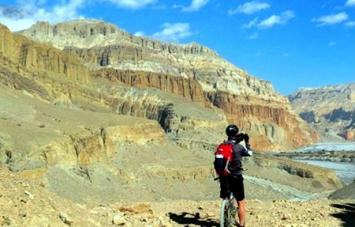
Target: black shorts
232	184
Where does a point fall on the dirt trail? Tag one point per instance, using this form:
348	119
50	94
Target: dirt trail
285	190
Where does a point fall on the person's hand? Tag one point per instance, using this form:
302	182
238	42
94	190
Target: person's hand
246	138
248	146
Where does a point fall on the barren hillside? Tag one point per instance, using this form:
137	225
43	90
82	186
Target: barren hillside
330	109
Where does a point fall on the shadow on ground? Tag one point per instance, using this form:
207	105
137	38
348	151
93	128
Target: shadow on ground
192	219
347	214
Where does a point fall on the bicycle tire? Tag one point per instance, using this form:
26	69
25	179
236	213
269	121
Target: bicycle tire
222	212
226	214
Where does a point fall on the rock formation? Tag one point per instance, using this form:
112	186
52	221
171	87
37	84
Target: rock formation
330	109
183	70
18	51
185	87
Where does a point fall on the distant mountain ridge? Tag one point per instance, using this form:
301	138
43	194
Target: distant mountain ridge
330	109
102	45
101	33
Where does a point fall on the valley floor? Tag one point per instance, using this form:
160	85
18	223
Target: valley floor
27	202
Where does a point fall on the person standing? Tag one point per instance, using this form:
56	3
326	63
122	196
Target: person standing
233	181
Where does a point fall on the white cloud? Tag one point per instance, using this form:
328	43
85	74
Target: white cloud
350	3
332	19
350	24
276	20
251	23
139	33
132	4
195	5
250	8
270	21
29	12
17	24
173	32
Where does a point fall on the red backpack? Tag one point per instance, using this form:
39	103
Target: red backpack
222	157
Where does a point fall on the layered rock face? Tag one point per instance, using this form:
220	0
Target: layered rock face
18	51
60	78
272	124
330	109
185	87
249	101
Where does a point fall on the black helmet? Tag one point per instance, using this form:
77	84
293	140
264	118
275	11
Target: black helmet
232	130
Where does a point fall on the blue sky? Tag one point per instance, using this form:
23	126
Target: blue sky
292	43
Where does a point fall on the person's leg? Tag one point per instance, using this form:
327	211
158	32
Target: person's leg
224	189
241	212
238	191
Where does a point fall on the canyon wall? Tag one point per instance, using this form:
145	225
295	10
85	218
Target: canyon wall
22	52
185	87
62	79
330	109
189	70
271	124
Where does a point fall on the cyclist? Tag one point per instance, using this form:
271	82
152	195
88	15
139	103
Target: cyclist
234	181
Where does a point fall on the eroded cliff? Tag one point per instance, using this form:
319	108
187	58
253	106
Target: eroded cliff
330	109
185	87
262	112
271	123
18	51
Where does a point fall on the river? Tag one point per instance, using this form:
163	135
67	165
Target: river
344	170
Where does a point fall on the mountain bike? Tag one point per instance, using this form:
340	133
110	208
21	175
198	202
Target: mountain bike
228	212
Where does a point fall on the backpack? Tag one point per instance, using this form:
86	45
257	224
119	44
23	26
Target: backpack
222	157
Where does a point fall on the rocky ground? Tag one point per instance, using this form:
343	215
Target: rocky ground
25	201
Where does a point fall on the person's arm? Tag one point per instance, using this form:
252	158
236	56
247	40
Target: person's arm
245	151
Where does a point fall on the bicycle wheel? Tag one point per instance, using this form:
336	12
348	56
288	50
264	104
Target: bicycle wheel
227	213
